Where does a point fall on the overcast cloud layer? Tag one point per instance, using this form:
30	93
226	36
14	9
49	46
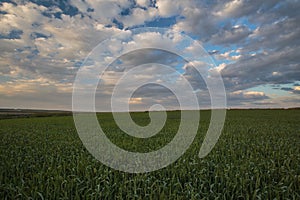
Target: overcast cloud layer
255	45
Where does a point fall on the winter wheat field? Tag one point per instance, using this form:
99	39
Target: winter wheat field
256	157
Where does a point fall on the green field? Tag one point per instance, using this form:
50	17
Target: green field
256	157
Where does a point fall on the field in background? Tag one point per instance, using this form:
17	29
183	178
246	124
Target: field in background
257	157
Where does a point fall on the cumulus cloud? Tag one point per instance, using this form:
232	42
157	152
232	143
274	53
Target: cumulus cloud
101	11
43	43
234	35
138	16
296	90
293	90
244	98
143	3
198	21
43	47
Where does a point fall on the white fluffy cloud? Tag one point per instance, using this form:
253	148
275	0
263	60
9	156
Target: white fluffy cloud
102	11
169	8
143	3
138	16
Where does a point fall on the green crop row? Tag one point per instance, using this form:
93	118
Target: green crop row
256	157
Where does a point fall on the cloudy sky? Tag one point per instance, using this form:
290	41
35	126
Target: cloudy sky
254	44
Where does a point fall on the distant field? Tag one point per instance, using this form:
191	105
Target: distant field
25	113
256	157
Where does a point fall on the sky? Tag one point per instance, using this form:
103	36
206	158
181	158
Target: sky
254	45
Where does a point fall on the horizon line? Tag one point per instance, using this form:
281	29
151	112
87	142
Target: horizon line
201	109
